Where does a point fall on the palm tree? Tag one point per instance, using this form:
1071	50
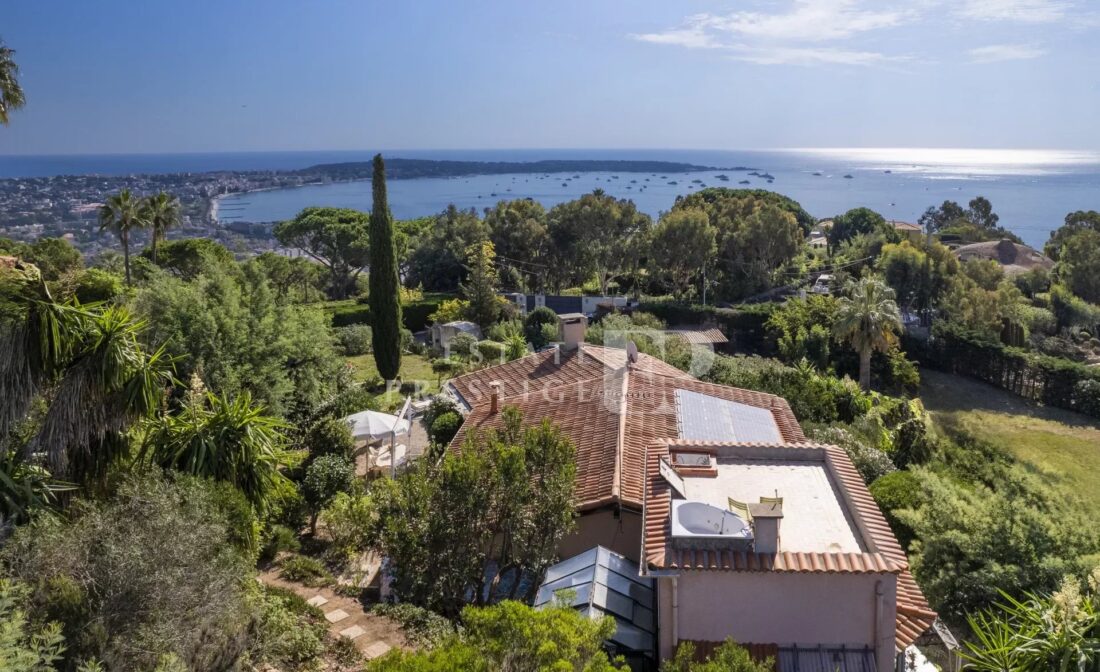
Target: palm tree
88	365
162	212
868	319
123	213
11	94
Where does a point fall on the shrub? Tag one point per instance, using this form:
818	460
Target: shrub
533	326
444	427
1086	397
406	339
148	572
354	339
492	352
462	345
348	520
869	460
330	436
305	570
438	407
502	331
893	492
729	657
278	539
290	631
95	284
423	627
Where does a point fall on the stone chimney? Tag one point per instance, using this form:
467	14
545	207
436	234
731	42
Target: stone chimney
494	399
766	518
571	328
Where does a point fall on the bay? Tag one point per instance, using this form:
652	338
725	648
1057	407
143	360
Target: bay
1032	191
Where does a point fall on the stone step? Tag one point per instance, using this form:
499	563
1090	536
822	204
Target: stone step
317	600
336	616
375	649
352	632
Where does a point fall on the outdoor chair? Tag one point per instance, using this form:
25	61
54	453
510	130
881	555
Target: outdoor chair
740	508
772	500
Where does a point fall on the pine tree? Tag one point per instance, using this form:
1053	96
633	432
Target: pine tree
385	302
480	288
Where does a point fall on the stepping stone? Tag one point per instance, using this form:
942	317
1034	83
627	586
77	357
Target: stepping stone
336	616
375	649
352	632
317	600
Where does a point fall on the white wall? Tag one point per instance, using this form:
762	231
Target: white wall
784	608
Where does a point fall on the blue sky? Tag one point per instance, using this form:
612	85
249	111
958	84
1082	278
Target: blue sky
155	76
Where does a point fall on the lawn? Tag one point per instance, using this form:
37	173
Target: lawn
1061	443
414	368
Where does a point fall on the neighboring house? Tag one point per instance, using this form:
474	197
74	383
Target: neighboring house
818	573
443	333
907	230
1015	258
587	305
711	337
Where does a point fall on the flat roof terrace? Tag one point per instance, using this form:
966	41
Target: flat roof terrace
815	518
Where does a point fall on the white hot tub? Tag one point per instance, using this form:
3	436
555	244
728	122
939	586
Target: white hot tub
701	525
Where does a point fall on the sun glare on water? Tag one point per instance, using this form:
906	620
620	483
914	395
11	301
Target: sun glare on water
961	161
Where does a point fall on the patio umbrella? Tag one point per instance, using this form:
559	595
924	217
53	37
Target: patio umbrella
374	425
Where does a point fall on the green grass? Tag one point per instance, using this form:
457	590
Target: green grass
1062	444
413	368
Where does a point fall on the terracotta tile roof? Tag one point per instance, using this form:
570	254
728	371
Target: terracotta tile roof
915	617
592	425
542	370
588	391
883	553
701	336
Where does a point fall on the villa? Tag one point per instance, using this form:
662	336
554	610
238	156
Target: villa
738	526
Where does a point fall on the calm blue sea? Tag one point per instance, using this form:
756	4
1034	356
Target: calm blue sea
1031	190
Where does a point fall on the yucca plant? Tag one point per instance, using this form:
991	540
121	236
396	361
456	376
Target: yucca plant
230	440
1058	632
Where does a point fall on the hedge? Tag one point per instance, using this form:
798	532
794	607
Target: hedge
414	315
1053	381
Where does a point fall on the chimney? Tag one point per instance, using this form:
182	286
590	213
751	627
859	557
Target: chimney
571	328
766	517
494	400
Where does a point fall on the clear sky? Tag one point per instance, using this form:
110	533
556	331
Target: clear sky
230	75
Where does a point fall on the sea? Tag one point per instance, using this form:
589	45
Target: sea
1031	190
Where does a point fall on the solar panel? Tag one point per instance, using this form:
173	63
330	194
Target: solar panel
706	418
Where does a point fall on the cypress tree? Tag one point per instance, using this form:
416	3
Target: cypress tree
385	301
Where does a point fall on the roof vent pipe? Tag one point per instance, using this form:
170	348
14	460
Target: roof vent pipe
494	400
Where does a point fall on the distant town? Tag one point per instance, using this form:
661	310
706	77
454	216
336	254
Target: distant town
67	205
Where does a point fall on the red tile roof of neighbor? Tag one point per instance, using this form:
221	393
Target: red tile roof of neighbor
882	552
701	336
623	418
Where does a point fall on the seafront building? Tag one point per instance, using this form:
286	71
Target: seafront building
704	513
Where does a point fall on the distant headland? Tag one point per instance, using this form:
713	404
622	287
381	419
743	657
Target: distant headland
398	168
